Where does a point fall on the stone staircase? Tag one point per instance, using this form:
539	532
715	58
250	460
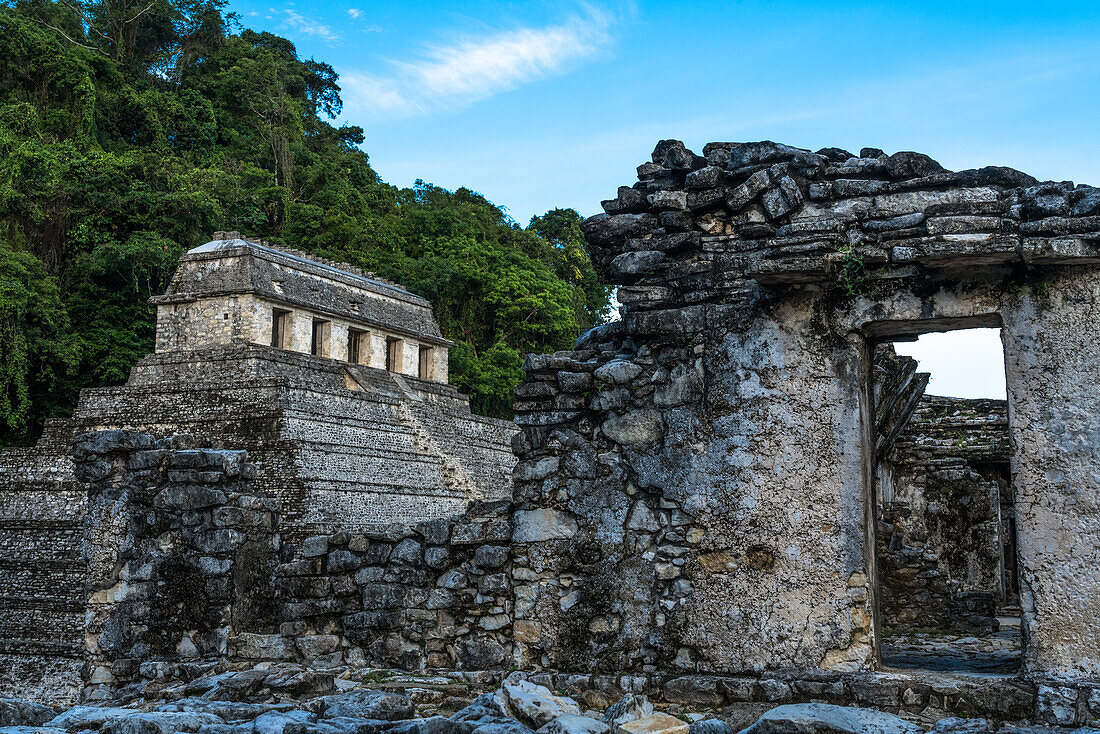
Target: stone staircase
455	477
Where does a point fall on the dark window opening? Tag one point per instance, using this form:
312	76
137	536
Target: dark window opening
280	328
318	343
424	366
946	585
358	346
394	348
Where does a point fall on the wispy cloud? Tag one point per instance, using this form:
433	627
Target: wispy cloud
297	22
356	14
475	68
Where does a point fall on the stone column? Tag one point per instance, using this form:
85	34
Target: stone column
1052	360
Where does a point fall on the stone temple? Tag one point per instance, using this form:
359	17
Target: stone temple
736	496
334	381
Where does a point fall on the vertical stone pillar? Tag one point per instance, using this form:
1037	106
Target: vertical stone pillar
1052	360
179	550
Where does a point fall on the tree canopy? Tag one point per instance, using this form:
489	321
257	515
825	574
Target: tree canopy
130	131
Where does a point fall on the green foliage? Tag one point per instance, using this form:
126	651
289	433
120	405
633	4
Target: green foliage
35	347
130	131
851	272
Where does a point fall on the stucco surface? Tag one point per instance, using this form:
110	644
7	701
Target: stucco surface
738	507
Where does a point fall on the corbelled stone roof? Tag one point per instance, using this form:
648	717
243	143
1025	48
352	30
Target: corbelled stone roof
232	265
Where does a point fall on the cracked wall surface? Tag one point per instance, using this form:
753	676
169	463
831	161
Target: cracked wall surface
698	477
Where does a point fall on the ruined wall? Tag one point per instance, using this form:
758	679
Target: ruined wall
179	550
205	322
342	446
186	563
338	446
435	594
941	492
1050	347
185	583
717	446
686	532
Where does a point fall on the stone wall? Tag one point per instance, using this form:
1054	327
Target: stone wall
231	266
342	446
187	563
179	551
247	319
189	576
679	538
432	595
941	556
705	467
41	570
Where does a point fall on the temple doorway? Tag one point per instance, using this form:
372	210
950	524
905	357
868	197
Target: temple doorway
945	527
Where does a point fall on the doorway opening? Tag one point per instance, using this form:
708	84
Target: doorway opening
424	363
319	336
394	353
945	530
280	328
358	346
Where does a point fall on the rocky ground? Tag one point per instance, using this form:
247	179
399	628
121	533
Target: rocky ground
287	699
996	653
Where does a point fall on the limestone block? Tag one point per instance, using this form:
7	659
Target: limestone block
635	427
676	200
535	526
955	725
710	726
533	471
314	646
491	556
654	724
1057	705
14	712
263	647
574	724
368	704
158	722
810	718
282	722
631	265
79	718
533	704
629	708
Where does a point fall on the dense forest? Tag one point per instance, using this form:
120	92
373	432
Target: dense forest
130	131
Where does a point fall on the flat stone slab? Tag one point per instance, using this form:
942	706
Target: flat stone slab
823	718
655	724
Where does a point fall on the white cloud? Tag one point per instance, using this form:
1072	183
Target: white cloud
296	21
964	364
354	12
475	68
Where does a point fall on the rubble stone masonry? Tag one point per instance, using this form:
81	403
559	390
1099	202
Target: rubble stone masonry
701	473
695	504
335	443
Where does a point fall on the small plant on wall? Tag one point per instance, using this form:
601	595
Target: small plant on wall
851	272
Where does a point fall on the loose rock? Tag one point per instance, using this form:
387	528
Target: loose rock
819	718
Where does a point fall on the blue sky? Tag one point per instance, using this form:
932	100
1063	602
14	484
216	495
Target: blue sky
545	104
538	105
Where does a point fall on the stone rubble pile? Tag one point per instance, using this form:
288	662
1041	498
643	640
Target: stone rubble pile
286	699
